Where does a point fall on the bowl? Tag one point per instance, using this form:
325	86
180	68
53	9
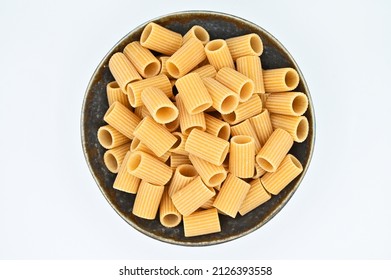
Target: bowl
95	104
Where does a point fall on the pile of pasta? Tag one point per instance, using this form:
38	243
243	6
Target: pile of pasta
197	129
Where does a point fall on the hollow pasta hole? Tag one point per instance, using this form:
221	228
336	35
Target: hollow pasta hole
178	141
231	117
201	34
229	104
223	155
187	170
171	220
295	161
200	108
146	32
172	125
256	44
216	179
300	104
291	78
302	130
246	91
166	114
265	165
215	45
134	161
105	138
111	162
113	85
172	69
152	69
224	132
135	144
242	139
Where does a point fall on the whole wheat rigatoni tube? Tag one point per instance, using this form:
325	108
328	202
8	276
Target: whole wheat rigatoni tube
206	71
206	146
186	58
192	196
288	170
201	222
218	54
168	214
274	150
297	127
249	44
146	64
158	38
245	128
140	165
134	89
280	79
217	127
245	110
187	121
251	67
123	70
256	196
287	103
125	181
262	126
147	200
241	156
177	160
159	105
115	93
197	32
122	119
113	158
237	82
110	138
231	195
155	136
183	175
224	99
194	94
212	175
137	145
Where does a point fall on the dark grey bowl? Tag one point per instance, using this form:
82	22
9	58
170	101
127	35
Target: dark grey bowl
95	105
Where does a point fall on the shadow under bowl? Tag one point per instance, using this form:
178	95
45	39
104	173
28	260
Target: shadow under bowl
95	104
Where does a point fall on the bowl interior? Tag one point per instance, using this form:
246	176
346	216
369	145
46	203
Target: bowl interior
95	105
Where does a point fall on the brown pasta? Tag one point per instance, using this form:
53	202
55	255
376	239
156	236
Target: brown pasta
160	39
297	127
249	44
280	79
115	93
124	181
146	64
218	54
123	70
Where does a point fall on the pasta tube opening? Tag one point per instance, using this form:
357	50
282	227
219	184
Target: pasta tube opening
171	220
201	34
217	179
215	45
146	32
187	170
302	129
166	114
111	162
256	43
224	132
104	137
172	69
300	104
152	69
229	103
265	164
291	78
134	161
242	139
246	91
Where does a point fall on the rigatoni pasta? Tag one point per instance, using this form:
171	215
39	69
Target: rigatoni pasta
187	121
159	105
124	181
158	38
245	128
251	67
249	44
113	158
212	175
183	175
217	127
115	93
245	110
123	70
146	64
168	214
237	82
110	138
201	222
241	156
218	54
197	32
224	99
147	200
280	79
287	103
297	127
262	126
255	197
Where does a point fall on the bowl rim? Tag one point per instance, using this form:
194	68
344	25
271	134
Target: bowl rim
281	204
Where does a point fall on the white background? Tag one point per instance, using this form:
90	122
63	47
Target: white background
50	206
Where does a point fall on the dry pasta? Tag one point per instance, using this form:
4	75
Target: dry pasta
237	82
201	222
258	171
123	70
189	198
147	200
186	58
297	127
159	105
168	215
161	141
207	147
224	99
125	181
122	119
288	170
287	103
174	125
177	159
245	128
134	89
231	195
115	93
249	44
212	175
197	32
113	158
262	126
142	111
218	54
251	67
146	64
110	138
256	196
179	146
241	156
274	150
194	94
188	122
137	145
281	79
160	39
183	175
217	127
244	110
140	165
163	68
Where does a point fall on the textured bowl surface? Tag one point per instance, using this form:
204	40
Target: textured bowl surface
95	105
